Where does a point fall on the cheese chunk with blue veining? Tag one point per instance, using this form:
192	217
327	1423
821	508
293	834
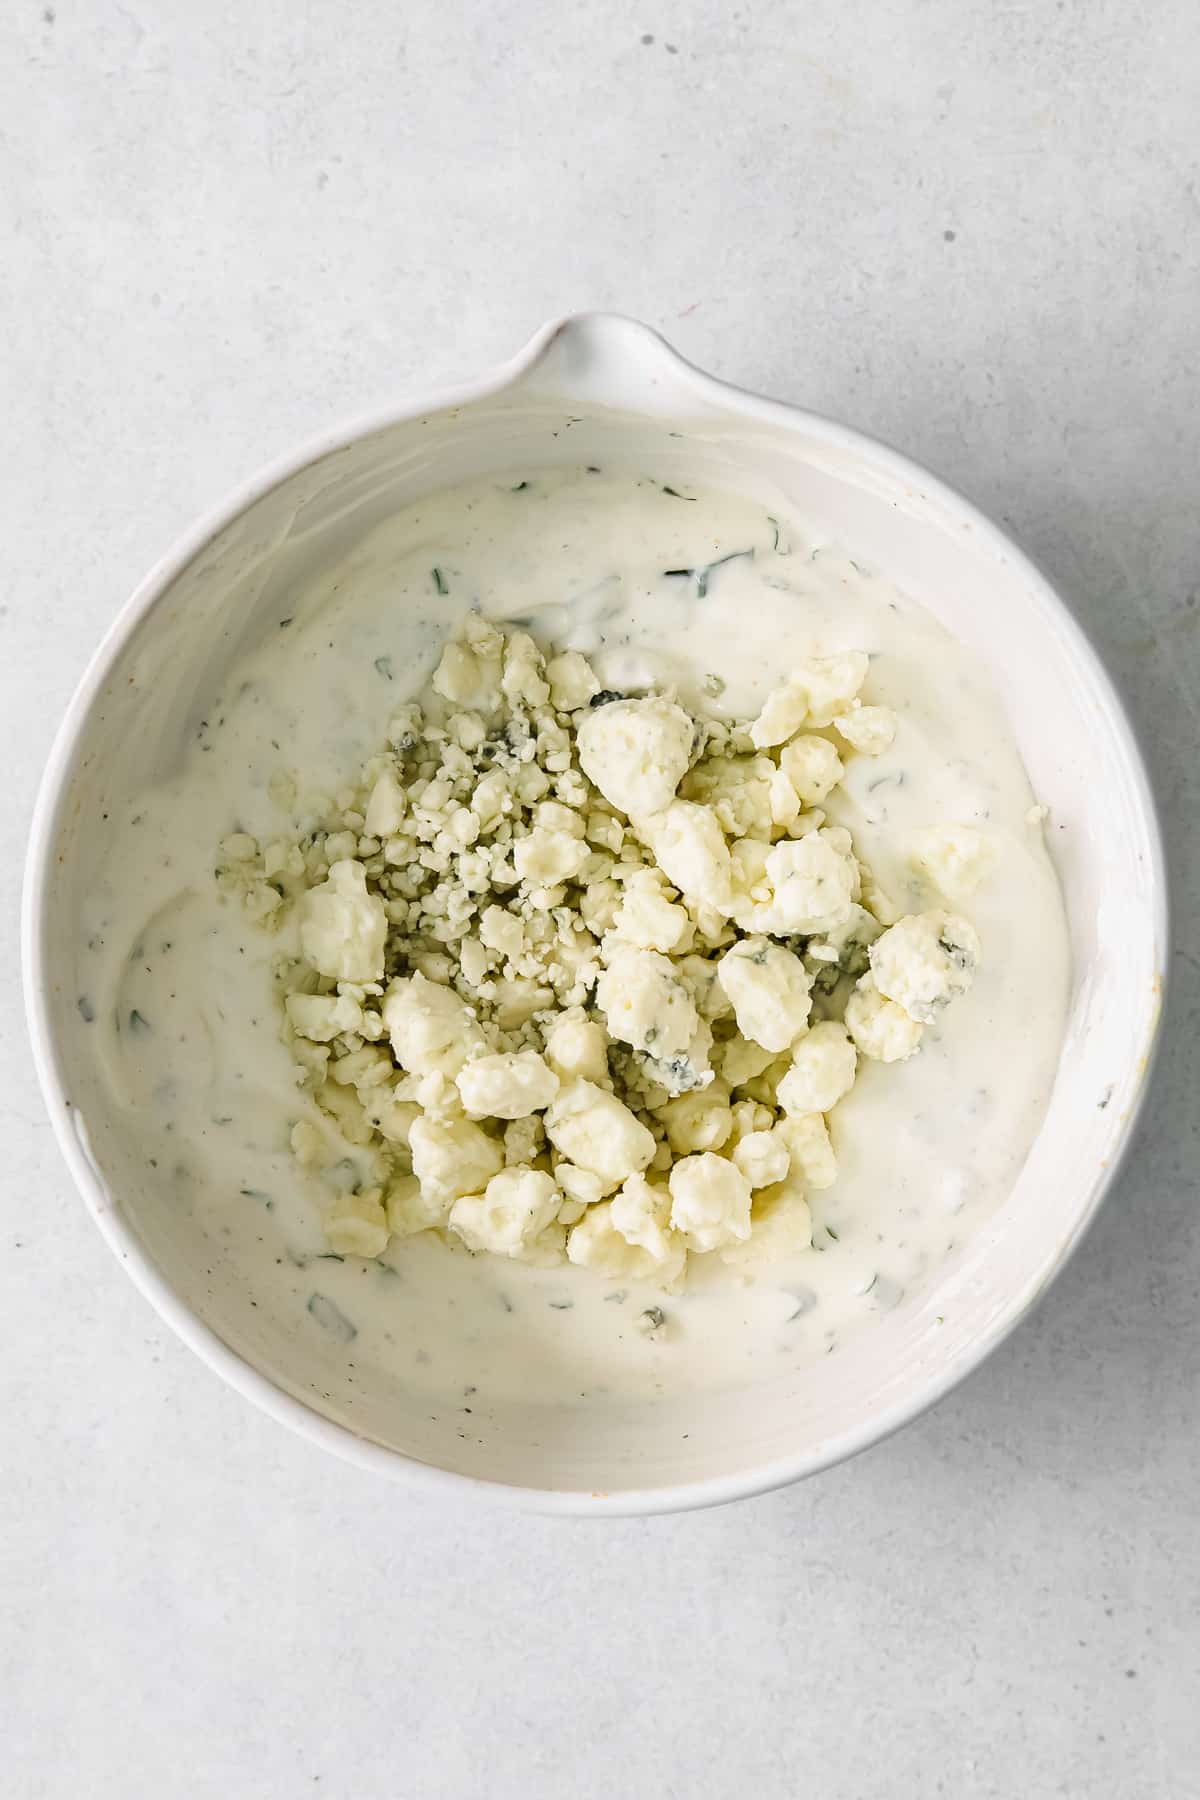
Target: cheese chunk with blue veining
924	961
769	988
880	1028
645	1003
636	752
812	882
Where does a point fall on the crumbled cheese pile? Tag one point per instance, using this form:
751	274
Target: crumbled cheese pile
582	975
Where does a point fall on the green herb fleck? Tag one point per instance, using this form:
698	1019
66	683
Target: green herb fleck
833	1234
383	665
734	556
561	1305
87	1011
439	582
713	686
675	494
284	623
701	575
138	1022
259	1195
331	1318
520	487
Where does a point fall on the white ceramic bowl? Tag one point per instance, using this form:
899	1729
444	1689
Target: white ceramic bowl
631	401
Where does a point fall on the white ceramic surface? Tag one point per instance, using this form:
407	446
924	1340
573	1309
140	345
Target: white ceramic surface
591	388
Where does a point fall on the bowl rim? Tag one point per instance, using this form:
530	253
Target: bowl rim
228	1363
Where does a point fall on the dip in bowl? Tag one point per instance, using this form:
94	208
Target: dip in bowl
605	497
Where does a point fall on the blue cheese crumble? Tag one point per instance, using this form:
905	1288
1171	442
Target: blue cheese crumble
582	976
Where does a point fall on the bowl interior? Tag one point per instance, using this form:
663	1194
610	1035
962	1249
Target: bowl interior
141	711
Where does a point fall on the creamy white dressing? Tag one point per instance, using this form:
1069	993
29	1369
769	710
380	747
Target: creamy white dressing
176	984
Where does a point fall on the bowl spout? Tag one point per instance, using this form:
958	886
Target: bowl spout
607	360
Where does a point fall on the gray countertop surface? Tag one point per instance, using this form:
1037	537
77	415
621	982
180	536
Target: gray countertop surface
971	227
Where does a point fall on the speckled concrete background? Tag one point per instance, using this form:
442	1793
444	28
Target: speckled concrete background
970	226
